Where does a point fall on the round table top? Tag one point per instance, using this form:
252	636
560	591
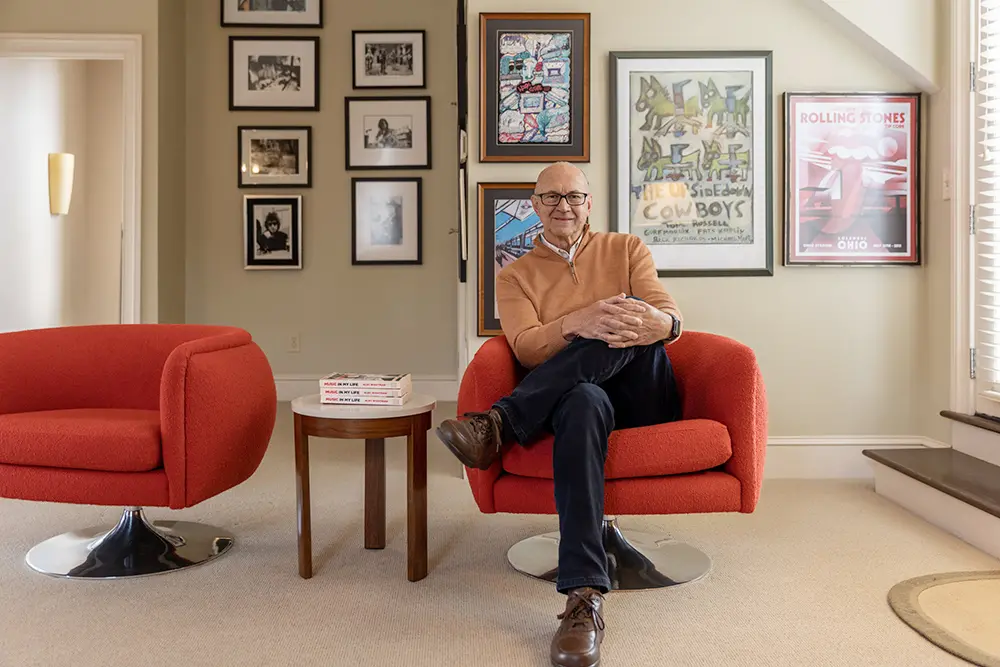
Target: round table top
311	407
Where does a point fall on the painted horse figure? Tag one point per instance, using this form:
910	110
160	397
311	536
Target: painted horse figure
734	161
664	111
659	166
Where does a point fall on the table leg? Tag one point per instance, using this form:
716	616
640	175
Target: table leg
375	493
302	497
416	502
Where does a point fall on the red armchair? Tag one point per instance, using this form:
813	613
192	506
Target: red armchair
710	461
133	415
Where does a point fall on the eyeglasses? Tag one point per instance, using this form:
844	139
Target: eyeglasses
572	198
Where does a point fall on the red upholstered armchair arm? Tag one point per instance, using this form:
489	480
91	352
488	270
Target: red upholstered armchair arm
218	404
719	379
492	374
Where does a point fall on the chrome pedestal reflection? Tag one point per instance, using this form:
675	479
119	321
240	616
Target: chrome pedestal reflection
133	548
636	560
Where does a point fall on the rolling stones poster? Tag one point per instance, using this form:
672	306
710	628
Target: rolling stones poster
851	175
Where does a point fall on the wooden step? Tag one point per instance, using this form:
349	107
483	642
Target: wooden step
959	475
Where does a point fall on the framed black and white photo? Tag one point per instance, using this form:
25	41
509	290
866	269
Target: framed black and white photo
275	156
387	221
389	59
274	73
269	13
272	231
388	132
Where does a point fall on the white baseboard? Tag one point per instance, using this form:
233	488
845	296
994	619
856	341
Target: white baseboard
442	387
830	457
964	521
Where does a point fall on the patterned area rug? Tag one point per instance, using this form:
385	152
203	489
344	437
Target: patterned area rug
955	610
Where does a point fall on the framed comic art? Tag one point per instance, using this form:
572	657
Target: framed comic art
508	226
852	186
691	159
534	87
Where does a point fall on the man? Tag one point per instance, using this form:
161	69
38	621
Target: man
586	313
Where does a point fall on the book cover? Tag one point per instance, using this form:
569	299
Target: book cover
401	381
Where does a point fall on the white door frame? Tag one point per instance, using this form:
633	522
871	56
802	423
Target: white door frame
127	49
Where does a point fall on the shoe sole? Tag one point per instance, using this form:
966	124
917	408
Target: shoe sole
458	454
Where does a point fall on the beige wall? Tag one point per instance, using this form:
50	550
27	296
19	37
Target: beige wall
842	350
349	317
60	270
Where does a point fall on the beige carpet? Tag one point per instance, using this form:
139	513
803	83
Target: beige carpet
801	582
958	611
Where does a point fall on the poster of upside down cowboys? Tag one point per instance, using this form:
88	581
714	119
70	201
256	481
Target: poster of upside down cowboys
691	159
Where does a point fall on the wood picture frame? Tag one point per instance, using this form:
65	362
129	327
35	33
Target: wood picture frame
852	179
274	73
272	232
274	156
505	212
534	87
382	59
271	13
387	132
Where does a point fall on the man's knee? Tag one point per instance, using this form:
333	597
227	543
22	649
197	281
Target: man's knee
586	402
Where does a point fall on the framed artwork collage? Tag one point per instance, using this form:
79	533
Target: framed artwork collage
691	156
384	132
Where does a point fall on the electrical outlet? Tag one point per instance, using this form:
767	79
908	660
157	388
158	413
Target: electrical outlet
294	343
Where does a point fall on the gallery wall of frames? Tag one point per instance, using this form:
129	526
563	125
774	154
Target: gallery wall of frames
693	155
386	131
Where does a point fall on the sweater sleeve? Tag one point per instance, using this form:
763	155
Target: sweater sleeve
645	283
532	341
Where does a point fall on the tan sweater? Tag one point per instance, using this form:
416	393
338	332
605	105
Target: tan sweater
537	290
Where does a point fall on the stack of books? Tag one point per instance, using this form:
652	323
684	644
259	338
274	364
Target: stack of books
365	389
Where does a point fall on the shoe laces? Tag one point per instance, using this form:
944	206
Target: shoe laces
486	424
583	611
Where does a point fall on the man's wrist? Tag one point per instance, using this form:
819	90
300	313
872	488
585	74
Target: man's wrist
567	329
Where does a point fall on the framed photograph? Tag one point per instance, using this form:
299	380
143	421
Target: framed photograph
691	152
275	156
272	231
387	221
508	226
534	87
388	132
273	73
269	13
389	59
852	164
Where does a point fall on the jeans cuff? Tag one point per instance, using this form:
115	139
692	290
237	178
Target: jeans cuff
601	583
507	412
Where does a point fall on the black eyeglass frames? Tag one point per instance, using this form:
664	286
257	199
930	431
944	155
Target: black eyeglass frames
572	198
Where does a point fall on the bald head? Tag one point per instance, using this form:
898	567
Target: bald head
562	173
562	201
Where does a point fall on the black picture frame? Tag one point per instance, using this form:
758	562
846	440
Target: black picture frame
419	63
310	76
303	157
282	19
852	239
412	255
490	258
686	257
491	25
256	207
418	107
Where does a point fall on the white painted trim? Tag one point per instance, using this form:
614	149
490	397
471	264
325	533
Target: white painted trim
962	394
968	523
128	49
976	442
866	41
830	457
853	441
442	387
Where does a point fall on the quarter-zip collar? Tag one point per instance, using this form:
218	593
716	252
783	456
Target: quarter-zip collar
542	250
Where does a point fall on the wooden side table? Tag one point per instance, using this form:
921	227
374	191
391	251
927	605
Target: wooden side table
374	423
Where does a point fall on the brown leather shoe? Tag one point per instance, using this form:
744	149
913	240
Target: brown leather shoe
475	441
577	642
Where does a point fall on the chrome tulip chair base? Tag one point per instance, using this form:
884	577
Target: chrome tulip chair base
133	548
636	560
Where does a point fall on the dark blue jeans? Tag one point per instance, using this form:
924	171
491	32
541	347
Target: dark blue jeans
580	395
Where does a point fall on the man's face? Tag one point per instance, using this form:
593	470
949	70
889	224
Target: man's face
562	217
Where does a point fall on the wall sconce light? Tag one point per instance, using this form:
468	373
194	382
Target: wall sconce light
60	182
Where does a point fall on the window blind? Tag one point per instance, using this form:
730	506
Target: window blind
985	213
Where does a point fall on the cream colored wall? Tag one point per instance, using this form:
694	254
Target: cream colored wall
843	351
349	317
112	16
